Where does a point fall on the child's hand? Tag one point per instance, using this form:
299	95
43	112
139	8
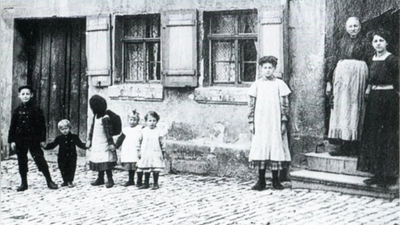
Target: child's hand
43	144
12	145
87	145
111	148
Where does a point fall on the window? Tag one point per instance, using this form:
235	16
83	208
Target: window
141	48
232	44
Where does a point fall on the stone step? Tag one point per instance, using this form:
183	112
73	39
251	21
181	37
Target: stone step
333	164
348	184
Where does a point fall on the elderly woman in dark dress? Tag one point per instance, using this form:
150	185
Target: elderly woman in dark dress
380	142
348	81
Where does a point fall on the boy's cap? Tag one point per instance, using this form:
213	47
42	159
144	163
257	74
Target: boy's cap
25	87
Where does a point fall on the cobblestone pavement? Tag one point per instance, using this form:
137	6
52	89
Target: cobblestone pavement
181	199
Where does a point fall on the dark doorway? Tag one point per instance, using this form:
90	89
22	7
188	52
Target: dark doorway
49	54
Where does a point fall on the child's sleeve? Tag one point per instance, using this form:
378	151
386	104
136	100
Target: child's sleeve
90	136
285	108
120	140
252	106
284	92
13	127
79	143
139	143
52	145
108	129
252	102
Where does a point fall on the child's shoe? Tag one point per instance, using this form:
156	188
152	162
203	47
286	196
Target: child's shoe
70	185
98	181
110	183
144	186
23	187
155	187
64	184
129	183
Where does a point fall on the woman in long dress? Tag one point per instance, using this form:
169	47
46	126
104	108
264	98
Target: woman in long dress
268	117
379	153
348	81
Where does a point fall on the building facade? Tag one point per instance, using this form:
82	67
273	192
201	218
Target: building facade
191	61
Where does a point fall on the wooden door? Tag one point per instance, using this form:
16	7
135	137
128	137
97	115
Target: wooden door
51	52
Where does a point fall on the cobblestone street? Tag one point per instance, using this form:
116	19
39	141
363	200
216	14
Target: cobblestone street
181	199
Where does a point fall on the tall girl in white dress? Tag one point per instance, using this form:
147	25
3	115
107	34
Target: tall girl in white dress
268	118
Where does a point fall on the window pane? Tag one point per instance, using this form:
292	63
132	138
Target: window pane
248	23
153	26
224	57
134	27
223	24
249	60
154	58
134	63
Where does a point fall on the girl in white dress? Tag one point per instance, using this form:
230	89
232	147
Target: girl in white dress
103	157
268	118
151	146
129	154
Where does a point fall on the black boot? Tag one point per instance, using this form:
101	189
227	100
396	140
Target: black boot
261	184
24	183
276	184
99	180
50	183
284	175
110	181
139	181
146	181
131	175
155	179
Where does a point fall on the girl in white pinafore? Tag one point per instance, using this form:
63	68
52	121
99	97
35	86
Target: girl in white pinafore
268	117
152	150
129	153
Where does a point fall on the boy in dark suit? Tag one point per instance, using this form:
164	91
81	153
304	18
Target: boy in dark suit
67	151
27	131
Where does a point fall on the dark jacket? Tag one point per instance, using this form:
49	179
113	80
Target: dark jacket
67	145
27	123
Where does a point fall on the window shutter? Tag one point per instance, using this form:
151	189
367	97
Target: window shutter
271	36
179	48
98	50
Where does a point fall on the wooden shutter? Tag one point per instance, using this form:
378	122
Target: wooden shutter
98	50
271	36
179	49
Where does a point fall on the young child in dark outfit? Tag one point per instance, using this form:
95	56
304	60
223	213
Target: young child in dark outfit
67	151
27	131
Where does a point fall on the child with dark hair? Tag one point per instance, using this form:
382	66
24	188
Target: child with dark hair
103	156
151	146
67	155
129	152
28	132
268	118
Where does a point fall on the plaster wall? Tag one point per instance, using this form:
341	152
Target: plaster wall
183	118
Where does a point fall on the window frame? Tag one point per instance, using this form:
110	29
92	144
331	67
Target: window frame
236	38
126	40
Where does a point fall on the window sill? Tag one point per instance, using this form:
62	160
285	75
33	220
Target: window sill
222	95
136	92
